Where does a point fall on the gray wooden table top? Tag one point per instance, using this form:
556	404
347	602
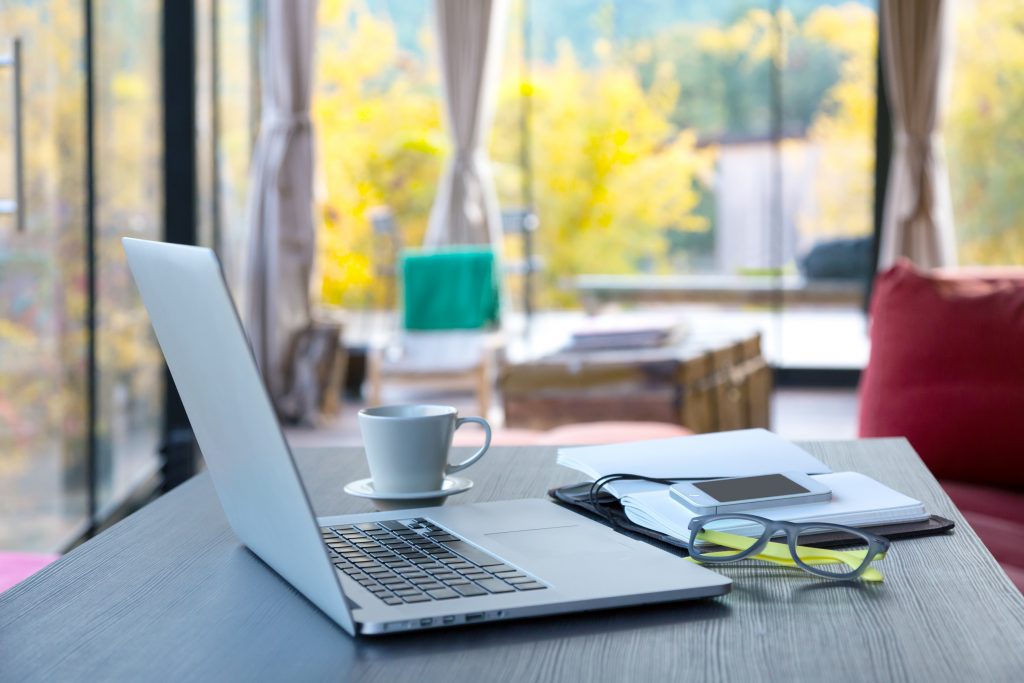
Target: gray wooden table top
170	594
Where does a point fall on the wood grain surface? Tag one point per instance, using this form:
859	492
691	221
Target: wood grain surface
169	594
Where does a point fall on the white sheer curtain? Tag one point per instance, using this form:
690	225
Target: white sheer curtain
470	36
280	207
918	218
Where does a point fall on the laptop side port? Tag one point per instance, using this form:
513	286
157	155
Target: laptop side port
476	616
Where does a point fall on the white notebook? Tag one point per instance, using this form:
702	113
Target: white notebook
857	500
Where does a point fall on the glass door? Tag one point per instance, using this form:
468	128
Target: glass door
44	408
81	377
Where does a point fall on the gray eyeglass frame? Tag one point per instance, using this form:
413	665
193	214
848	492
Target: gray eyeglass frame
792	530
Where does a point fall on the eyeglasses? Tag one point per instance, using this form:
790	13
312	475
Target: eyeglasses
716	539
731	537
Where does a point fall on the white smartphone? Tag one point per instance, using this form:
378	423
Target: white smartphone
737	494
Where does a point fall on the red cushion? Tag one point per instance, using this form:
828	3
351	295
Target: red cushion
947	371
986	500
996	515
1016	575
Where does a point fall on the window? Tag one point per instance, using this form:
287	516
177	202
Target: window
651	137
984	131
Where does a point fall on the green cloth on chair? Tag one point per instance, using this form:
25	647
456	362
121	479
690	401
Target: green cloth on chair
450	289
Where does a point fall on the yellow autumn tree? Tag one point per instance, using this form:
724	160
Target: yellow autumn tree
984	131
844	128
610	172
378	118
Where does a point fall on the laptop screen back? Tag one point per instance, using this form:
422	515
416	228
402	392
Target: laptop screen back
212	364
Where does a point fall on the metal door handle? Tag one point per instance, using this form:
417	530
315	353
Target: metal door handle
16	206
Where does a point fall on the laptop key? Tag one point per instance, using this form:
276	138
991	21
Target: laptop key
416	598
412	573
392	601
443	574
435	550
442	594
530	586
514	580
495	586
477	575
407	592
419	580
433	585
510	574
365	526
468	590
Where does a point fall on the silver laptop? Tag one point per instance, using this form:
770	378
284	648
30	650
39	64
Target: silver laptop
389	571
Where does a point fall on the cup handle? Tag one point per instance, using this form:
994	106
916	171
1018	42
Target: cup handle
451	469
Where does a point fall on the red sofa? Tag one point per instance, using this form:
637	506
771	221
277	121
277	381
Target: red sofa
947	371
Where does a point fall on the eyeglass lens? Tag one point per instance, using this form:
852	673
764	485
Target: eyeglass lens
727	537
827	563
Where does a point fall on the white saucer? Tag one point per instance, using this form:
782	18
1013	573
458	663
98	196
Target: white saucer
363	488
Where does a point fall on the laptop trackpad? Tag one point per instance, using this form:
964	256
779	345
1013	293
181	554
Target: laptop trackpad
561	541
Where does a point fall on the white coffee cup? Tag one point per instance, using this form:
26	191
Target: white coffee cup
407	446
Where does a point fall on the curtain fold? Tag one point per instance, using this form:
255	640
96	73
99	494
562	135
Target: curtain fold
280	203
470	36
917	221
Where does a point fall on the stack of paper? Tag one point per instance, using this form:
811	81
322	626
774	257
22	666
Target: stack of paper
857	500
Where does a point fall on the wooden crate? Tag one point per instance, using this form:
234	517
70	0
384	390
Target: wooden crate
705	384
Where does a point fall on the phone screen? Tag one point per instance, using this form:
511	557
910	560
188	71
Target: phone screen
745	488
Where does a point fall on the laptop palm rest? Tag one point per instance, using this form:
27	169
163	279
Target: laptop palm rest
561	541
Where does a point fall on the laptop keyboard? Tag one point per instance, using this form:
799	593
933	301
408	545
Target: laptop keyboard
414	560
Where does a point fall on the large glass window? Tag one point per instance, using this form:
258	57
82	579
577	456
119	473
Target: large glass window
77	438
44	425
984	131
663	136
